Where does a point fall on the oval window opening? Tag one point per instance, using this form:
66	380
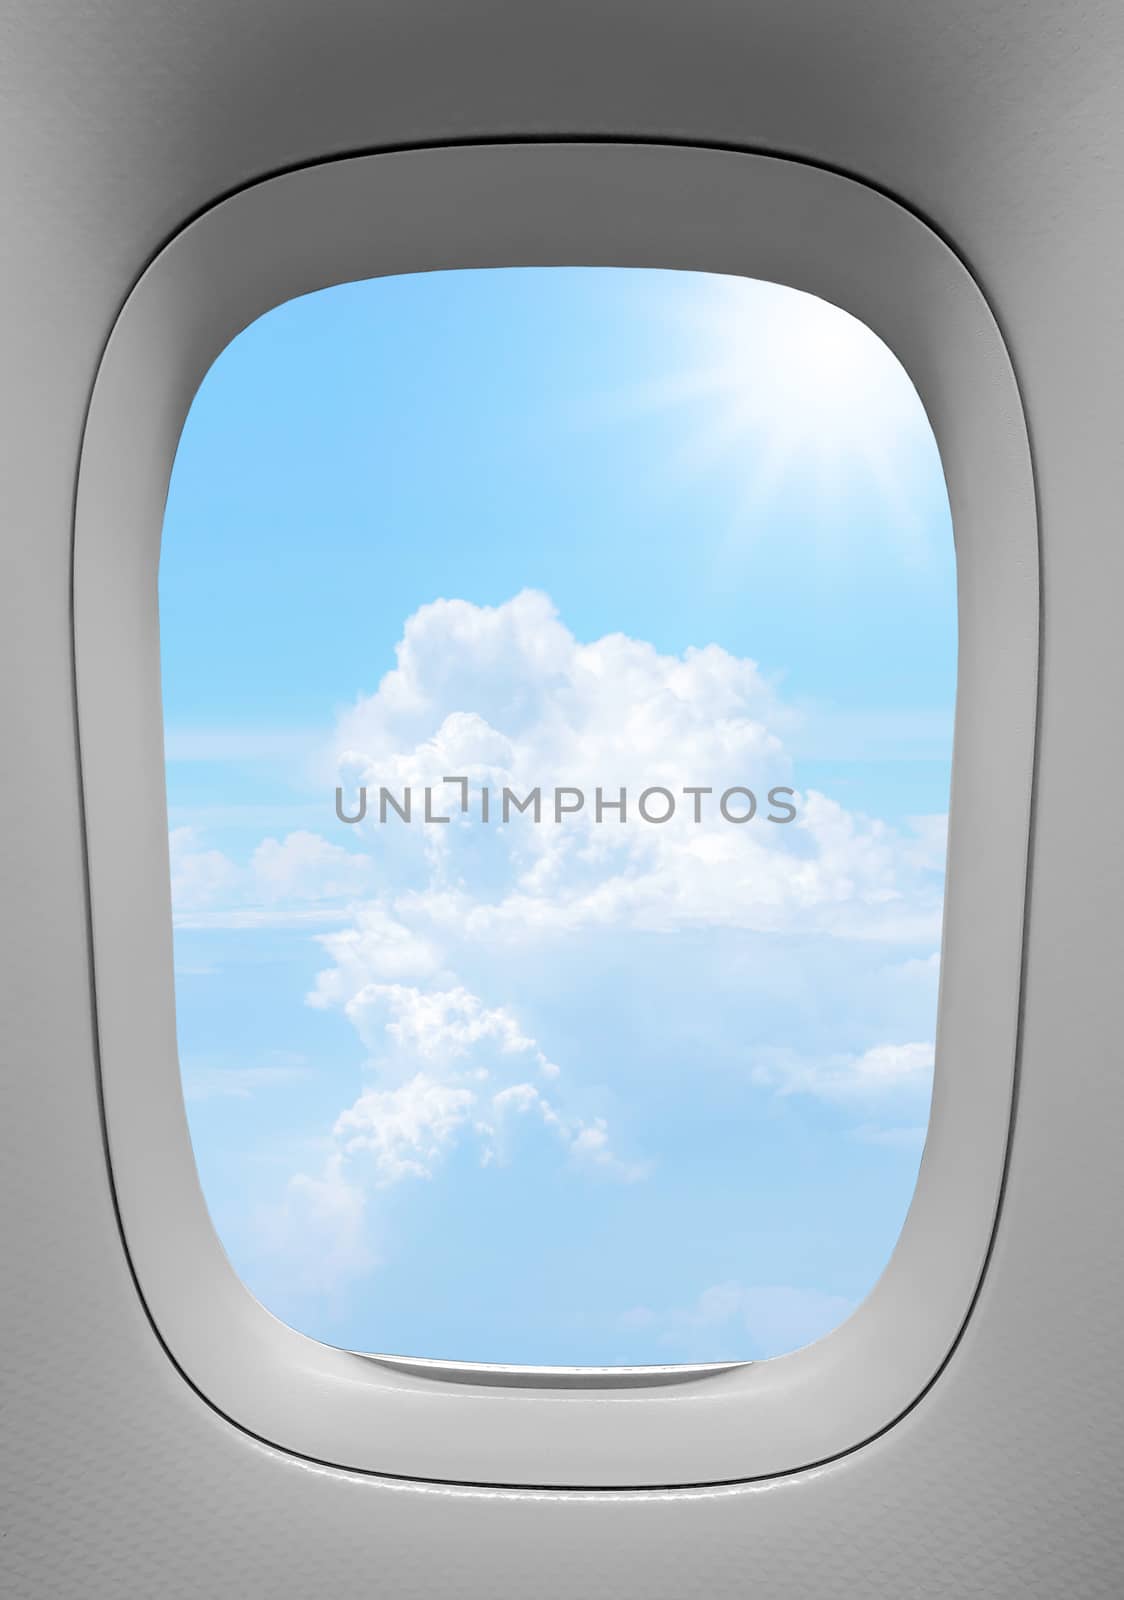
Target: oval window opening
558	669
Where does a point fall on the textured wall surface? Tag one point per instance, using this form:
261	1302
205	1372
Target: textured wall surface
1002	121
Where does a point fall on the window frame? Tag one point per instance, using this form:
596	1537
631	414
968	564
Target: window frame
556	204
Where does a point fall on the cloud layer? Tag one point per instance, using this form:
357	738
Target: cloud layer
506	696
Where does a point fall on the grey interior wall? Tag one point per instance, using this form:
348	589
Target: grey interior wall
1001	121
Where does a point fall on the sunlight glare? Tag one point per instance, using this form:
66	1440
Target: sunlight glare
792	385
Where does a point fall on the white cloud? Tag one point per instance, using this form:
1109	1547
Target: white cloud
509	686
446	1068
286	881
507	696
199	876
376	948
432	1026
445	1062
886	1068
587	1142
404	1130
304	866
548	710
590	1146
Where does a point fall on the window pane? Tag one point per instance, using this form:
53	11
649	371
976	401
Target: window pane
636	1071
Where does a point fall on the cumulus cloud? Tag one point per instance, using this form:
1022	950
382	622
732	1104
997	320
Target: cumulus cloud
445	1064
493	682
445	1068
548	710
376	948
404	1130
506	696
436	1025
586	1142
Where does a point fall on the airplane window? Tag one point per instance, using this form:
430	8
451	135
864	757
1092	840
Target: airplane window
558	672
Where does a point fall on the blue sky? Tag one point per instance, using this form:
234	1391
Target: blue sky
557	1092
